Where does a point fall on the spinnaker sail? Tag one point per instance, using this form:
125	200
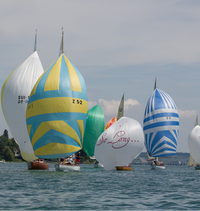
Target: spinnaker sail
120	143
161	125
110	122
14	98
94	128
57	110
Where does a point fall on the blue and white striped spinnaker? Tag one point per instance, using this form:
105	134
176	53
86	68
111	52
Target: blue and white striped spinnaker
161	125
57	111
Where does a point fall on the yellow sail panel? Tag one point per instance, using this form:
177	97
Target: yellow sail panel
28	156
81	127
56	105
59	126
191	161
29	129
56	148
74	79
53	79
41	130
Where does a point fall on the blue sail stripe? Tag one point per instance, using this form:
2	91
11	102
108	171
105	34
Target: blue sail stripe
165	100
168	99
159	135
65	83
164	154
57	138
160	124
161	144
160	115
163	150
56	117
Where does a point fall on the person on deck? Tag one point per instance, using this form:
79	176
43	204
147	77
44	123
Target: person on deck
78	158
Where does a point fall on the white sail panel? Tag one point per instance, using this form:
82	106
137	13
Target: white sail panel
14	98
194	143
120	143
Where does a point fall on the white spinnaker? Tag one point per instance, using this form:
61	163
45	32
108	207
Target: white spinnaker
14	98
194	143
120	143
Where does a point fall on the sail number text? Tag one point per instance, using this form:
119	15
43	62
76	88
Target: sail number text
76	101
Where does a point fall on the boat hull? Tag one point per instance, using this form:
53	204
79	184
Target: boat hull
157	167
66	167
37	165
124	168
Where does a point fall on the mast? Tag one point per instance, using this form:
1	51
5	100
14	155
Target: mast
35	45
155	85
62	43
196	122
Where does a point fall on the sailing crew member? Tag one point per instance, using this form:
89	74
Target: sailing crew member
78	158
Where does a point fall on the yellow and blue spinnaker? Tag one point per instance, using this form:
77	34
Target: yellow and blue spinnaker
57	111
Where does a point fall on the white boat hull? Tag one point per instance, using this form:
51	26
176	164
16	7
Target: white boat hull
158	167
61	167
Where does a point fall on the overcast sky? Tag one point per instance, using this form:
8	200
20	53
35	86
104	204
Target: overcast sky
118	46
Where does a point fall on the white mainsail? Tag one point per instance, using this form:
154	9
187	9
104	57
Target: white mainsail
14	98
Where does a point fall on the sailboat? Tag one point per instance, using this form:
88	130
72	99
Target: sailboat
57	111
119	144
14	98
161	127
120	114
94	128
194	146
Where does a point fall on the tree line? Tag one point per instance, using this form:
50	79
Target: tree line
8	148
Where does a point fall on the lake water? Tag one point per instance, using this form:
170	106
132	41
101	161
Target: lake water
175	188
